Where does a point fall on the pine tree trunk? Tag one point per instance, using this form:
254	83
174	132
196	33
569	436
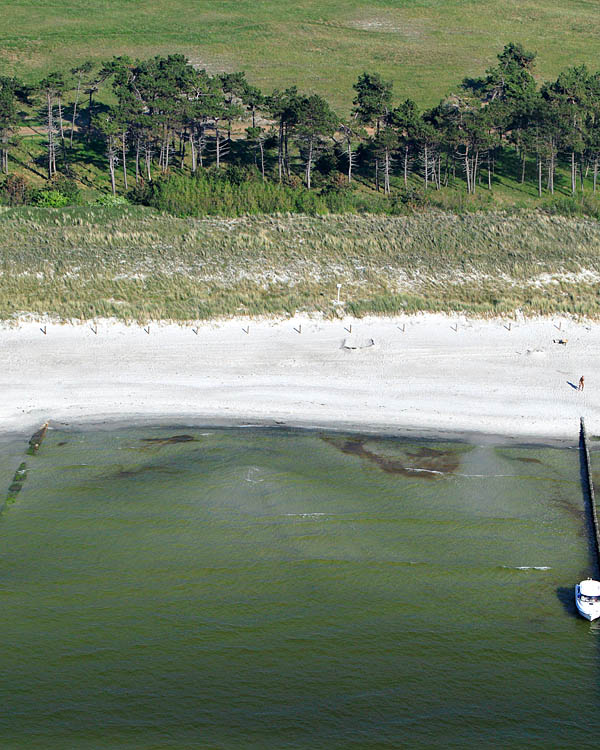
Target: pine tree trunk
426	167
539	166
123	151
280	151
386	175
595	173
137	161
50	135
573	175
218	134
522	168
309	164
489	172
405	166
60	120
111	164
468	172
262	158
193	147
75	110
286	154
349	161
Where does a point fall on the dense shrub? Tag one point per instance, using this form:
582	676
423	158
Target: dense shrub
15	191
50	199
237	191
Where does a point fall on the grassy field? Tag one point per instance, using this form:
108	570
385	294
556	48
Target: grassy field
136	265
425	46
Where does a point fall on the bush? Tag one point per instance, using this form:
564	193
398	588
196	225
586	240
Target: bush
67	187
107	199
50	199
15	191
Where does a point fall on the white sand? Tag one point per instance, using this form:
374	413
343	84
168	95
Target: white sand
479	378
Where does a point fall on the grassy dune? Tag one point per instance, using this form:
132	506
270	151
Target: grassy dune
424	46
136	265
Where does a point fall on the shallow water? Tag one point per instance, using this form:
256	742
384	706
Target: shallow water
272	589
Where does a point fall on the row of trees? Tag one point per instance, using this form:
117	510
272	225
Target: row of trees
166	114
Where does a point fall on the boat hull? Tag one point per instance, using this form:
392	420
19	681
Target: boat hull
591	612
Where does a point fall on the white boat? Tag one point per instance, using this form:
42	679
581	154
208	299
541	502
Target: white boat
587	599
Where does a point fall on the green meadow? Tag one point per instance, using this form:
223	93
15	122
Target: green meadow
425	47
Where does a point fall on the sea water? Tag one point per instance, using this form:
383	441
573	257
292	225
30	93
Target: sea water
252	588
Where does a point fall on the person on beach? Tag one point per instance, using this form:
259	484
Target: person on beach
580	386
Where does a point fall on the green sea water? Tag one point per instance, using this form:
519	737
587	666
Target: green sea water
253	588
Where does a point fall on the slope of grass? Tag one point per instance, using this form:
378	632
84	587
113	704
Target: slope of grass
134	264
425	46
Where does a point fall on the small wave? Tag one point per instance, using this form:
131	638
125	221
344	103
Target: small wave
306	515
486	476
424	471
251	475
527	567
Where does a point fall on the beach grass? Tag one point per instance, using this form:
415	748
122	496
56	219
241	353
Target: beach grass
133	264
425	46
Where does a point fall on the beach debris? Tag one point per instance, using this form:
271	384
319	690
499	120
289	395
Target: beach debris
299	329
43	330
353	343
37	438
560	341
537	353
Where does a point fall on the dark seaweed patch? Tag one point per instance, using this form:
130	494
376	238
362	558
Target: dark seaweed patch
429	463
525	459
127	473
170	440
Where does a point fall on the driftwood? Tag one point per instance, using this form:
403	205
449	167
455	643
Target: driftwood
37	438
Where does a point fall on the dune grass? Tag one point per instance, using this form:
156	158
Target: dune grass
136	265
424	46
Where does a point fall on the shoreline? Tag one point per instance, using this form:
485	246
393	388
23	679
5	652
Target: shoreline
424	375
384	431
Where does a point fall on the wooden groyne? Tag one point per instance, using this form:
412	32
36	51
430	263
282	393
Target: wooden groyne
21	473
589	483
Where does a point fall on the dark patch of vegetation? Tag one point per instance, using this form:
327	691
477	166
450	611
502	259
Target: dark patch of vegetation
170	440
428	463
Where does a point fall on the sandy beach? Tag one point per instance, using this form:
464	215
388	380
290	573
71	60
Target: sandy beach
428	373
